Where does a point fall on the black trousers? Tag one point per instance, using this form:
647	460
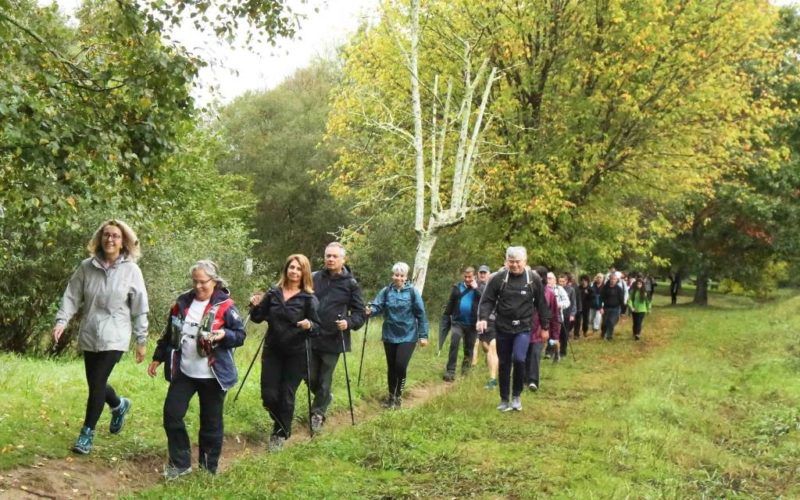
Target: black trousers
212	399
281	374
98	366
563	336
534	360
581	323
397	358
469	334
322	366
638	320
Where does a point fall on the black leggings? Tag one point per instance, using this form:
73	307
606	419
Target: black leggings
397	358
638	319
98	368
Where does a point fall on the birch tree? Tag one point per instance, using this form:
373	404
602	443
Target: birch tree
445	138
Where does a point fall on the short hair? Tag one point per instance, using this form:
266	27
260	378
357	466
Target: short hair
551	274
599	276
306	283
211	269
516	253
130	242
468	269
338	245
401	268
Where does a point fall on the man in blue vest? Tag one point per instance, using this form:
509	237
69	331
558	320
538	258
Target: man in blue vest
461	313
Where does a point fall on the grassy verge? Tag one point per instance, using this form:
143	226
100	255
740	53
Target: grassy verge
706	405
43	402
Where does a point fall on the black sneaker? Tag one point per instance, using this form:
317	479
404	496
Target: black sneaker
449	377
387	402
118	416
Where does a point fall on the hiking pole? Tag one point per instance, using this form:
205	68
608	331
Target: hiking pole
260	344
308	383
347	374
571	351
363	348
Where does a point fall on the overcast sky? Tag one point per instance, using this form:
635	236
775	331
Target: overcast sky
236	70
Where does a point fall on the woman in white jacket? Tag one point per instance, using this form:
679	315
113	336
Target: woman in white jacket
108	288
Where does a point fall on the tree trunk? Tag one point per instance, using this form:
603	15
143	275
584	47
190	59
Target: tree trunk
701	292
427	240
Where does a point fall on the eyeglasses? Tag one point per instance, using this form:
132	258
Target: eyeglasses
201	282
112	236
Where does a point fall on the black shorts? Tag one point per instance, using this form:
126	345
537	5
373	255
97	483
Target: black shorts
489	334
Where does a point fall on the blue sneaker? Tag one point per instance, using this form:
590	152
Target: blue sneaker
83	445
118	416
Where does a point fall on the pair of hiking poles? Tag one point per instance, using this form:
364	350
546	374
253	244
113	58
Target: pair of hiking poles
308	370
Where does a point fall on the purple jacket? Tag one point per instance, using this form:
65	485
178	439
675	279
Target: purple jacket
555	324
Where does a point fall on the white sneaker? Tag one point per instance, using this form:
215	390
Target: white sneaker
516	404
533	387
504	406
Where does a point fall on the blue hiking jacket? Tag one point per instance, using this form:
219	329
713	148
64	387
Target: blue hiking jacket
403	312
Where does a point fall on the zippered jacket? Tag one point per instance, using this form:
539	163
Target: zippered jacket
114	304
403	312
337	295
282	316
460	292
225	317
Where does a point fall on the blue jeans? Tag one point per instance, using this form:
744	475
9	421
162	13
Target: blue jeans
610	319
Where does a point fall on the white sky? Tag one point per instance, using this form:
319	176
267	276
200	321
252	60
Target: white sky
235	70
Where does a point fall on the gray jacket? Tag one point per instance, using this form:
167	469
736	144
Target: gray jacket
114	303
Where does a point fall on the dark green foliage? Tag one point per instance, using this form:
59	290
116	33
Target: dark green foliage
274	139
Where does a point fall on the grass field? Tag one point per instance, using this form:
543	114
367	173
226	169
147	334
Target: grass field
705	406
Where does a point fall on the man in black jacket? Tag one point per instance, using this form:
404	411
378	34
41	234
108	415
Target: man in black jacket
460	315
341	309
511	299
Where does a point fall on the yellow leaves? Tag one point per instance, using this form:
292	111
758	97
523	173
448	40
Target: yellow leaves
72	203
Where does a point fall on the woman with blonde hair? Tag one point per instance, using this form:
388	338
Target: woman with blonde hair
290	310
108	288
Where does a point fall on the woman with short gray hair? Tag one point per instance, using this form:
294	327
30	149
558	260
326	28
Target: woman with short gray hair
197	346
404	324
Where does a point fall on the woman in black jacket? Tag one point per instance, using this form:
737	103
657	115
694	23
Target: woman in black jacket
290	310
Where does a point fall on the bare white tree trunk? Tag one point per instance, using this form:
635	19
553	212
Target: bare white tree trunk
469	134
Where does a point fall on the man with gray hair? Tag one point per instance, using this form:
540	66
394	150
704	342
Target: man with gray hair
510	299
340	310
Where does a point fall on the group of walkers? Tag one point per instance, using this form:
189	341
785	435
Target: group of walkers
520	316
309	317
514	315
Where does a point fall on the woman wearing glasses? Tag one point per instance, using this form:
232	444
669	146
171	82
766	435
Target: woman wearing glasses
197	346
108	288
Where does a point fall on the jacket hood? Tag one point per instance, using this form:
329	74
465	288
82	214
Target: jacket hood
219	294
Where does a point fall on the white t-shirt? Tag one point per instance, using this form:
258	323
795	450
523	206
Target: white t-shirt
192	364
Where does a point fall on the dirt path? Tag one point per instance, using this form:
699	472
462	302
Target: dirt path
74	477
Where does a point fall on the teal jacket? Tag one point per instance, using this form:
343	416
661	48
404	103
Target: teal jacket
403	312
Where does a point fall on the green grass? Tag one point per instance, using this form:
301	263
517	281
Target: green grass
705	406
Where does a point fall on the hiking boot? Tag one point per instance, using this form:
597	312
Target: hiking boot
387	402
449	377
504	406
533	387
172	473
398	402
118	416
491	384
276	443
316	422
83	445
516	403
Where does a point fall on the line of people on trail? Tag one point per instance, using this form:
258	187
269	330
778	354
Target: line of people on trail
523	315
510	314
309	317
